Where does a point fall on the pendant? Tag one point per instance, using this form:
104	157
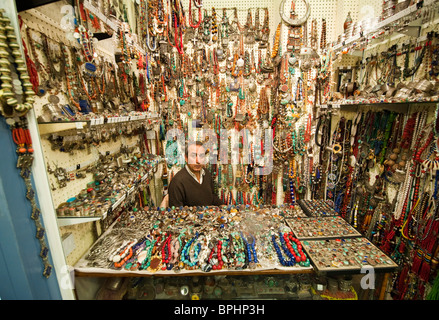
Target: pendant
249	38
53	99
41	90
155	264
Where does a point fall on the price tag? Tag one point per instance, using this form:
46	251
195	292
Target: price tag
93	122
79	125
324	106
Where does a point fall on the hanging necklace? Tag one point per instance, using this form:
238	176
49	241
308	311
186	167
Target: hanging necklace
276	42
225	30
10	88
323	35
265	31
86	42
249	37
22	138
198	6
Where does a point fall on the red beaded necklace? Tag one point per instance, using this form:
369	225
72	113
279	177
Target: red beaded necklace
191	23
166	251
218	248
299	256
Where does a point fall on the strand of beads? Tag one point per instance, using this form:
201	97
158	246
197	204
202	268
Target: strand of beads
189	254
10	86
131	263
287	263
144	258
216	263
175	248
120	259
238	249
166	253
296	249
251	251
114	256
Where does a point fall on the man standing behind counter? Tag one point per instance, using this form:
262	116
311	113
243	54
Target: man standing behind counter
193	185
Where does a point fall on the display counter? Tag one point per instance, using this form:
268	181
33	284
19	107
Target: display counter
204	243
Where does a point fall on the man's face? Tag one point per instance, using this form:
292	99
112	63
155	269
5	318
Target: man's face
196	158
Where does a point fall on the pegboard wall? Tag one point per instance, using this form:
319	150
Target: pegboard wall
71	161
426	19
48	20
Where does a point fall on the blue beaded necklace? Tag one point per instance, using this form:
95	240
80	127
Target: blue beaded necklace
288	263
251	251
185	254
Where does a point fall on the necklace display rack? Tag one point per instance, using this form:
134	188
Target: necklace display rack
404	71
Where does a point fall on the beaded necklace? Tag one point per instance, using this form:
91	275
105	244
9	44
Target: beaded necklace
238	250
40	68
87	43
251	251
276	42
287	263
12	104
131	263
189	254
265	31
408	72
217	263
191	23
120	259
52	59
166	253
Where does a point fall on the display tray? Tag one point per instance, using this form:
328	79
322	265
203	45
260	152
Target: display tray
95	264
347	255
314	228
317	208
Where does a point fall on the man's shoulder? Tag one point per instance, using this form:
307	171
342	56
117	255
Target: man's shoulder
180	175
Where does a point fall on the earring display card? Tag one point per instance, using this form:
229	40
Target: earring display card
313	228
317	208
346	254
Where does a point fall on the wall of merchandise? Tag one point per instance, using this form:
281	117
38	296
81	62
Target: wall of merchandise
350	93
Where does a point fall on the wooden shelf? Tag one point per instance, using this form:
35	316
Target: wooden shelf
117	273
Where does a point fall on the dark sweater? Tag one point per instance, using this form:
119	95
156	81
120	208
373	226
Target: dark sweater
185	191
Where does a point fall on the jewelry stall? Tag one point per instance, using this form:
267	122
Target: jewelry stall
320	118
